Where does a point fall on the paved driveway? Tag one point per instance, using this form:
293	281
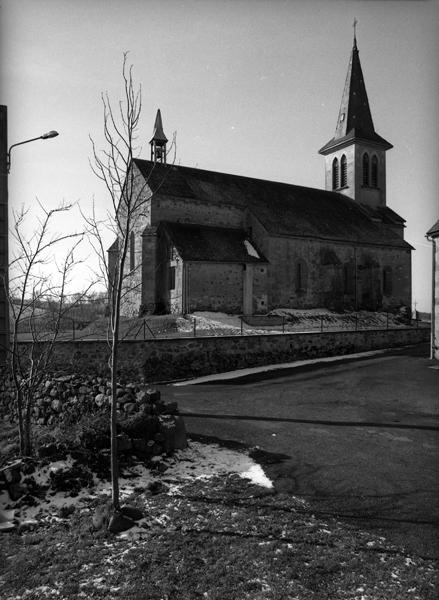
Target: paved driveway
358	439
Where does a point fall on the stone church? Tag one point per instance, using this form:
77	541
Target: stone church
205	240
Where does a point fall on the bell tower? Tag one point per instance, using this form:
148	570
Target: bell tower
355	158
158	141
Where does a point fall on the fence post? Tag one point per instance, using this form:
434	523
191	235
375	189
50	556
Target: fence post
73	328
283	324
387	320
144	330
321	323
195	327
240	318
356	322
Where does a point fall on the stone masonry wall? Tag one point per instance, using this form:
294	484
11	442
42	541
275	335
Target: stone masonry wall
323	273
178	358
214	286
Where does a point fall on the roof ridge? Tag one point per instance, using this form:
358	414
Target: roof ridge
270	181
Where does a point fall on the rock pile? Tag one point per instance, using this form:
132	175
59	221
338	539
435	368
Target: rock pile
59	396
148	429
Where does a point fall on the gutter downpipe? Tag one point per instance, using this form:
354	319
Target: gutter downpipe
433	297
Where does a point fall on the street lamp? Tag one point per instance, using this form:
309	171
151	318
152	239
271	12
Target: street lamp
5	167
44	136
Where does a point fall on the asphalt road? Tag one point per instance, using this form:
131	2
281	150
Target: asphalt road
358	440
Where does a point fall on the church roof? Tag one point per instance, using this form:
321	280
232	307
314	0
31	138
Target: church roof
212	244
384	214
283	209
434	231
354	117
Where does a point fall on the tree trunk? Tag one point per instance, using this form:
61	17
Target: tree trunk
21	440
27	425
113	426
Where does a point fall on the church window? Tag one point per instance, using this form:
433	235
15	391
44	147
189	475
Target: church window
300	276
387	281
366	169
343	172
172	278
335	173
132	252
374	172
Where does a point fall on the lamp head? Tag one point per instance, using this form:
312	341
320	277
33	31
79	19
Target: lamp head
49	134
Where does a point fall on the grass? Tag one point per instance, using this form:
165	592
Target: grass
220	539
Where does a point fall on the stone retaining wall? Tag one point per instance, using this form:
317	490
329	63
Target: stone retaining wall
167	359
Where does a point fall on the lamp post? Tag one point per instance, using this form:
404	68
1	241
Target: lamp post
5	167
44	136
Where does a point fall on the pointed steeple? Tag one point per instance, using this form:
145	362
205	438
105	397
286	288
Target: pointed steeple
158	141
355	158
354	118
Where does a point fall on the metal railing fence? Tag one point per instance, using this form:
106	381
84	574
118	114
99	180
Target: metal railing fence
170	326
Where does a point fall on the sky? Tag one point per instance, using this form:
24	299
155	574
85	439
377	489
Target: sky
250	87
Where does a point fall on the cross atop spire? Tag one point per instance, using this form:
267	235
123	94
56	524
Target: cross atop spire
354	25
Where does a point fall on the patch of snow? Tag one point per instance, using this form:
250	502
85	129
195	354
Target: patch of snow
301	312
210	321
197	462
206	320
256	475
202	461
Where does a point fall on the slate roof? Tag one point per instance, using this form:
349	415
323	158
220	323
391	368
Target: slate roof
283	209
212	244
384	214
434	231
354	117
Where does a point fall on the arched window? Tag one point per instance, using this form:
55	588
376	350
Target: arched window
343	172
335	173
366	169
132	252
301	276
374	172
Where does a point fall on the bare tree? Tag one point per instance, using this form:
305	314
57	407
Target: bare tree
31	286
114	167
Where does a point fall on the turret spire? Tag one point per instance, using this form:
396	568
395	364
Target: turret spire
158	141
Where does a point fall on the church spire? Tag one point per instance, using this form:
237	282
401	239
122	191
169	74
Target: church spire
355	156
158	141
354	117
